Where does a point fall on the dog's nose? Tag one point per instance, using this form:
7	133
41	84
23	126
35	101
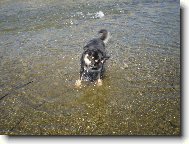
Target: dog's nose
92	66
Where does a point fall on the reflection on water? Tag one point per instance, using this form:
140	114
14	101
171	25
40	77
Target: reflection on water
41	43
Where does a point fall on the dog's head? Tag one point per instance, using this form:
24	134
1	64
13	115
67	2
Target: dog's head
94	58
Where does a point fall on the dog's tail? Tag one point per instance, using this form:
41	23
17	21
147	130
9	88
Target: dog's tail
105	35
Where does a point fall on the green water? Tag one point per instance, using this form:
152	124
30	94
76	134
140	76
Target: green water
40	47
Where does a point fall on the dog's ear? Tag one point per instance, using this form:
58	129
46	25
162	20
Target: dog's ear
105	58
85	48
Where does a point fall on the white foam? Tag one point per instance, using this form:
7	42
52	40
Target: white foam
99	14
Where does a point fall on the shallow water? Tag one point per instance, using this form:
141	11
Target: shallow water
40	46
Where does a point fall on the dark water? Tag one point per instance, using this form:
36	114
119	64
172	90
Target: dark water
40	46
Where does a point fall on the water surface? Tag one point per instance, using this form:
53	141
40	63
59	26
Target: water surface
40	46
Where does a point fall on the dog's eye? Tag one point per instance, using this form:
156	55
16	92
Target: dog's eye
90	58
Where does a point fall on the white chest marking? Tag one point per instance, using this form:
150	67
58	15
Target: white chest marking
87	61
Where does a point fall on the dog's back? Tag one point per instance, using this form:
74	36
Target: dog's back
99	43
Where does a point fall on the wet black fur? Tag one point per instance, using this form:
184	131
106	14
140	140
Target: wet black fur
95	48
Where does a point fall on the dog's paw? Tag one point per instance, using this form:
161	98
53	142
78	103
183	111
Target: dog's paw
99	82
78	83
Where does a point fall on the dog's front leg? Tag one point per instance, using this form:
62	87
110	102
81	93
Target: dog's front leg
99	80
78	82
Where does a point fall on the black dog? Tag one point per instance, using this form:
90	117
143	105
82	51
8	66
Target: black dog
93	59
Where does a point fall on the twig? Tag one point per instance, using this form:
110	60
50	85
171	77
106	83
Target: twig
16	124
17	87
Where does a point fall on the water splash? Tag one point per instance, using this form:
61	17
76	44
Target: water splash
99	14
